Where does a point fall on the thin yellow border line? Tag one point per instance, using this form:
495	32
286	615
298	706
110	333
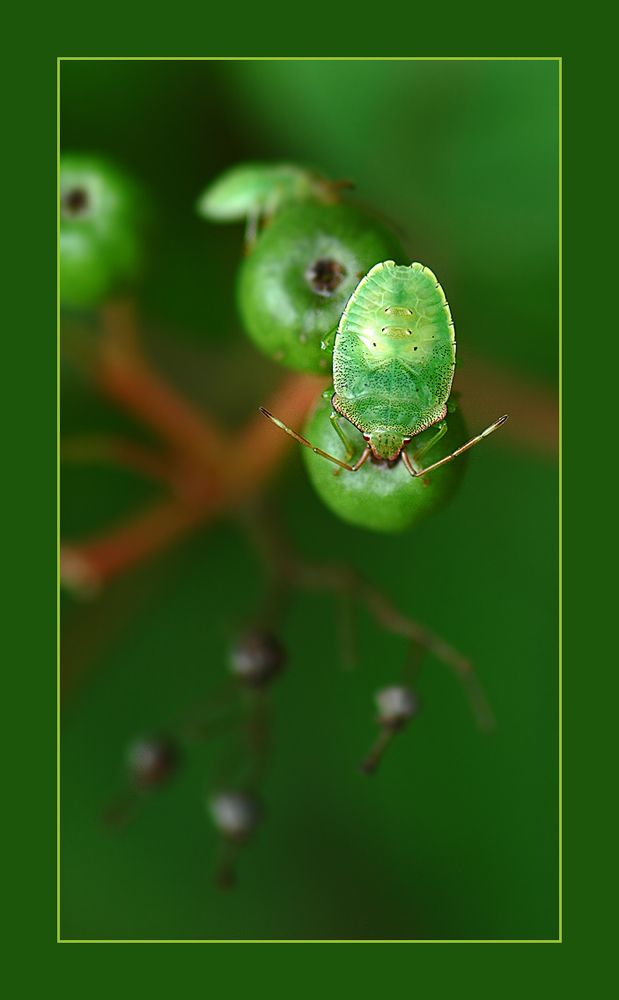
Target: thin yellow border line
58	499
310	58
560	500
558	59
309	941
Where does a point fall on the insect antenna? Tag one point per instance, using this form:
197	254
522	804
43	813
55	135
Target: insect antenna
469	444
344	465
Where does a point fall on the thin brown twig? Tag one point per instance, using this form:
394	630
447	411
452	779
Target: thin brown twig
287	571
344	579
131	383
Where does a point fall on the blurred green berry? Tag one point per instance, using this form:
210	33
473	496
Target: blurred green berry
260	189
102	216
293	287
382	496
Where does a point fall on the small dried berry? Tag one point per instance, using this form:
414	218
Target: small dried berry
257	658
151	762
235	814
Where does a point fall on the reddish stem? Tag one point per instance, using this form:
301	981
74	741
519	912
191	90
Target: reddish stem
249	460
87	565
103	448
133	385
259	445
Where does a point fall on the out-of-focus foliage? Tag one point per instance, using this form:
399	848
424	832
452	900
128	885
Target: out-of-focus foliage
456	836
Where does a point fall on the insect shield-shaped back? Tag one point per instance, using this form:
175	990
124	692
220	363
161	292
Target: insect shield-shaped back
394	356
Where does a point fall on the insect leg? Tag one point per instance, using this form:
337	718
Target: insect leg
350	448
454	454
329	342
440	432
318	451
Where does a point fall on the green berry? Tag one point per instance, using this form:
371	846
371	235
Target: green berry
101	231
293	287
381	495
259	189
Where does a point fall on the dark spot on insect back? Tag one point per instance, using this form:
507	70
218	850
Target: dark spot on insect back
75	203
324	276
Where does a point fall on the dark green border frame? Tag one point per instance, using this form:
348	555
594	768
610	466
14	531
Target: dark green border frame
32	806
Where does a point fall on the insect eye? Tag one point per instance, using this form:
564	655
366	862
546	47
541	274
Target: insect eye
324	275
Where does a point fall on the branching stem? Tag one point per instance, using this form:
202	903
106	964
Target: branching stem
210	470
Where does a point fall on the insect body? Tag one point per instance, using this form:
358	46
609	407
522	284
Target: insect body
394	356
393	365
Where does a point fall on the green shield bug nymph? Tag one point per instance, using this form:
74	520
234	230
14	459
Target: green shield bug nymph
393	364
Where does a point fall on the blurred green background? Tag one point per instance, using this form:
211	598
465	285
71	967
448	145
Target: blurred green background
456	837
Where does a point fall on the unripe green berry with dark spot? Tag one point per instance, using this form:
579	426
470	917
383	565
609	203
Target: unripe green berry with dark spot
101	233
381	495
294	285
